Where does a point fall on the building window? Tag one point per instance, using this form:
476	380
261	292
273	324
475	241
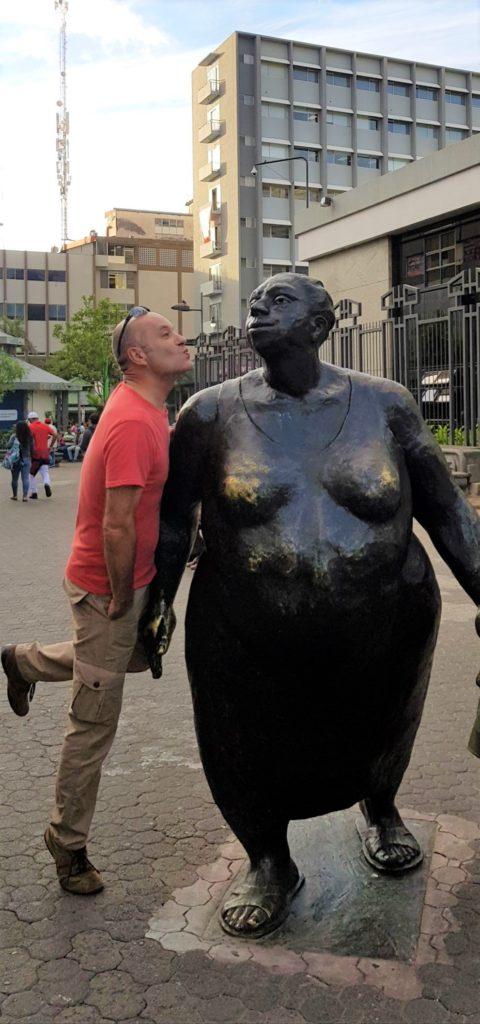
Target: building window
305	114
312	155
335	78
275	191
399	127
427	131
248	101
248	58
336	156
216	313
57	312
338	119
300	194
35	275
272	70
368	84
368	124
270	269
117	280
147	256
57	275
276	231
15	273
247	181
301	270
249	262
213	76
455	134
372	162
475	100
455	97
274	110
187	259
424	92
248	222
270	149
167	257
395	163
35	311
15	310
215	198
440	259
169	226
398	89
305	74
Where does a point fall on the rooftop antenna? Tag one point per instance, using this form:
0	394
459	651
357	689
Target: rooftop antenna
63	126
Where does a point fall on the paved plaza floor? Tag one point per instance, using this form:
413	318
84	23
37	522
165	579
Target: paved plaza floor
146	949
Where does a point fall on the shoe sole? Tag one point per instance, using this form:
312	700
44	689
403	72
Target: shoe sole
72	892
48	491
19	714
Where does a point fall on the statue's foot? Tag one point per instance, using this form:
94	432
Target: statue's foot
390	847
259	905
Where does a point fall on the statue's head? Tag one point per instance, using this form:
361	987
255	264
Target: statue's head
288	310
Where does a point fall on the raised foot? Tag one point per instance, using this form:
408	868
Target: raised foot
259	905
390	847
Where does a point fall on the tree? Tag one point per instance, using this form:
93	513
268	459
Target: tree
16	329
11	371
86	345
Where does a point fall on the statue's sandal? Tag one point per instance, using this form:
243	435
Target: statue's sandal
274	904
376	838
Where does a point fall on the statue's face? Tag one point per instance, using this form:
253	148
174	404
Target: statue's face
281	313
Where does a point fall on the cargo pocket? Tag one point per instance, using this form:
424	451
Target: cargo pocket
97	694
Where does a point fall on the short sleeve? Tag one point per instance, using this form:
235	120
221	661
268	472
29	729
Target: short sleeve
129	454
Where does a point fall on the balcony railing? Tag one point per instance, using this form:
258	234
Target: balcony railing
209	171
212	287
211	248
209	92
210	131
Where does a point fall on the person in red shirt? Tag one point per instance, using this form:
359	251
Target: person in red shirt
106	579
44	434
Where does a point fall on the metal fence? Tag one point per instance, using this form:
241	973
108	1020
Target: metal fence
437	359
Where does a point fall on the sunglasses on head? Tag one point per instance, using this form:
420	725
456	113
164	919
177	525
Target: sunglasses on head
132	314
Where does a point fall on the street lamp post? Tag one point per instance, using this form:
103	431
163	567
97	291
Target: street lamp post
283	160
183	307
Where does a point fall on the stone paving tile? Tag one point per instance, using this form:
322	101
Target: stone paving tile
157	832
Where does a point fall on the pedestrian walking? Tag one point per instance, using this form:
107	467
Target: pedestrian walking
106	581
43	436
21	447
89	432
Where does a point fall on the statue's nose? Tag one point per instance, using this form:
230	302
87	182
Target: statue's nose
259	306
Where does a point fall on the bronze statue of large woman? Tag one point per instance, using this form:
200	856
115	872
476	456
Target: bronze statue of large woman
313	613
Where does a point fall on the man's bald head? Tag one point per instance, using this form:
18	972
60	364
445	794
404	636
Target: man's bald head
136	335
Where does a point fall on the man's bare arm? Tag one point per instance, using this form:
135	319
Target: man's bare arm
120	543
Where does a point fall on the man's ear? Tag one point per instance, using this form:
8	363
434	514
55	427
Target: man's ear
135	354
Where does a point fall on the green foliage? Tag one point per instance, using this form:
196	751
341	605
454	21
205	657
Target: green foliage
10	373
15	328
86	346
441	433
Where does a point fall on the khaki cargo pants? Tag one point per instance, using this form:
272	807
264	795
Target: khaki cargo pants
101	652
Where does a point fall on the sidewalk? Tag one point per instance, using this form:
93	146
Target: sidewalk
161	843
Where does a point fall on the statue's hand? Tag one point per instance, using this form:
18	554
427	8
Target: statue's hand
156	631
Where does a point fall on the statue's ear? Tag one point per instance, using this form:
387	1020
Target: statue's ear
323	322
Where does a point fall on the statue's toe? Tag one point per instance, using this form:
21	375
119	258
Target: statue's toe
244	919
391	848
253	910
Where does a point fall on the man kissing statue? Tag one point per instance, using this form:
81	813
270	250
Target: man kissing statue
313	614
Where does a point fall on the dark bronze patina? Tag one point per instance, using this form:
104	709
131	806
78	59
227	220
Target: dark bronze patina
313	613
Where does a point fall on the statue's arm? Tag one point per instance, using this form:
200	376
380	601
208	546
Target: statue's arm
438	504
178	519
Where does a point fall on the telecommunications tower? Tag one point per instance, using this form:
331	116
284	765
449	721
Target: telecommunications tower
63	165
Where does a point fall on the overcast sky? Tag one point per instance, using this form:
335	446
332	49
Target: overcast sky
129	87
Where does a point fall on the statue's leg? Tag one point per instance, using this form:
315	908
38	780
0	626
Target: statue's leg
388	845
261	901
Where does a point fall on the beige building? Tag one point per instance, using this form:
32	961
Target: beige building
45	288
351	118
418	227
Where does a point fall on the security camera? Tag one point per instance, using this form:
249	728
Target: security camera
254	171
326	201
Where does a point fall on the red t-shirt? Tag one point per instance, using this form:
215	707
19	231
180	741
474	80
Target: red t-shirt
129	447
41	433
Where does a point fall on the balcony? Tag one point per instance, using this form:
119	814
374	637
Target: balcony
210	131
211	249
209	92
212	287
209	172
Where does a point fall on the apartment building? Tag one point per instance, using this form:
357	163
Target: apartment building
350	117
45	288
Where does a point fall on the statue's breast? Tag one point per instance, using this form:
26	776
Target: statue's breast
252	488
364	477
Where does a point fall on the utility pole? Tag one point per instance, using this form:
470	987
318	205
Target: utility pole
63	127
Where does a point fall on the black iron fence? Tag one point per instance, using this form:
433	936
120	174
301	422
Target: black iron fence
437	359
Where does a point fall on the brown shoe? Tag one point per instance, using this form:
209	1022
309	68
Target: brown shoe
19	691
75	872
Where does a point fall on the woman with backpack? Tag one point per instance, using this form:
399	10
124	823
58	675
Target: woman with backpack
19	457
